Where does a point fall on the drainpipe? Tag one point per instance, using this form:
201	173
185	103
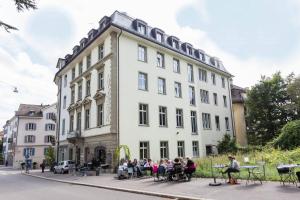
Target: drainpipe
231	110
118	96
58	119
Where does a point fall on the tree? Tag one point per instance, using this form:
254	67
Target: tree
227	145
293	91
21	5
50	156
267	109
289	137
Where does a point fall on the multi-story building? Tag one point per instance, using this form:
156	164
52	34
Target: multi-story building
9	129
131	84
30	132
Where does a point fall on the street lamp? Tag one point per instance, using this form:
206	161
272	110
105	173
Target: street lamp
15	89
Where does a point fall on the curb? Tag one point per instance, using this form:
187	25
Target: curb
156	194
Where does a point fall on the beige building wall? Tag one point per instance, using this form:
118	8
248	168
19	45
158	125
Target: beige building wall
240	123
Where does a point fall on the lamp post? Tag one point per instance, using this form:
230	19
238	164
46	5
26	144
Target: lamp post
15	89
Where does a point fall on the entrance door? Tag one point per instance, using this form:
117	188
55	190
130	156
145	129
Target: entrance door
100	155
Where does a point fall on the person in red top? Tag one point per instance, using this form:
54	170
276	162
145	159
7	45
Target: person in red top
190	168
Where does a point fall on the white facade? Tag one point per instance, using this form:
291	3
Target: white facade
121	96
32	130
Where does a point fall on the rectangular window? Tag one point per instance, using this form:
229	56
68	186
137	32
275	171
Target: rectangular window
28	151
215	99
179	118
46	150
88	61
189	50
164	150
100	51
100	118
175	44
65	80
204	96
63	130
71	123
72	94
80	68
143	81
217	121
78	127
143	114
180	149
88	87
176	65
79	97
73	73
65	102
213	78
49	138
206	121
29	139
100	81
202	75
161	86
87	119
144	150
159	37
49	127
223	82
163	120
227	123
192	95
209	150
178	92
194	122
195	145
141	29
142	53
160	60
30	127
225	101
190	73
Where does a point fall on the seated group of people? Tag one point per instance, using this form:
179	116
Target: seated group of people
181	167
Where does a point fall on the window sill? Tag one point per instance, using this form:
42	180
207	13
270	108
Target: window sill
143	125
142	61
163	126
181	127
143	90
195	134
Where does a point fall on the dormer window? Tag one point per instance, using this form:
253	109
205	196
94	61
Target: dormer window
83	42
175	44
212	61
190	50
202	56
91	34
141	28
103	22
76	49
31	113
159	37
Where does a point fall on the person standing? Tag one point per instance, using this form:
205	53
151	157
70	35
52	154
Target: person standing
43	167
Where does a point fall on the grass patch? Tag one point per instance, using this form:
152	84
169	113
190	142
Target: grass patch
271	157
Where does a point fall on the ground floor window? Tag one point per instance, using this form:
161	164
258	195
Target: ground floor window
144	150
164	150
209	150
180	149
195	145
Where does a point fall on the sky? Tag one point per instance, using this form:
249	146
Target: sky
252	38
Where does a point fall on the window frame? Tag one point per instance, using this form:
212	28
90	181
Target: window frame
163	86
179	118
145	75
163	116
142	55
144	113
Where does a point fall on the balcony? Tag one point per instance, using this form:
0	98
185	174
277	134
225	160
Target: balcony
74	136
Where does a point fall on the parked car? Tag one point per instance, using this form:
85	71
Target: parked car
64	166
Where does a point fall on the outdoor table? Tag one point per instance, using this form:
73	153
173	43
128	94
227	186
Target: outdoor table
251	173
289	170
220	169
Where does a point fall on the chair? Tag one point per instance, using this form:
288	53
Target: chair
286	175
130	172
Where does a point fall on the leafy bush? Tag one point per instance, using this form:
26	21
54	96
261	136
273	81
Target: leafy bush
227	145
289	137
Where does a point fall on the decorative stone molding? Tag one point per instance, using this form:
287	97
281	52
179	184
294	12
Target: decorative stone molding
78	104
71	107
87	100
99	95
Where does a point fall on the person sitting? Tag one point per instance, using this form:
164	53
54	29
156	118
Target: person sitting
232	167
177	166
170	170
298	175
161	169
148	166
122	169
190	168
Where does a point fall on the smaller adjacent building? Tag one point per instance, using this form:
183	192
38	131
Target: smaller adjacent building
238	108
30	132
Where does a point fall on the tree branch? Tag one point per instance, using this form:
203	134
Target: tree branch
7	27
25	5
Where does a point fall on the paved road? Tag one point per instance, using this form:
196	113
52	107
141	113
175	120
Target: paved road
13	185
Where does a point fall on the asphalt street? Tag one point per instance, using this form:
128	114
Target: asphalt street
14	186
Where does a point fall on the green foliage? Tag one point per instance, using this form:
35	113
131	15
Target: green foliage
289	137
50	156
227	145
293	91
268	109
118	151
272	157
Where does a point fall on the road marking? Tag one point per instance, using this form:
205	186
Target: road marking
5	173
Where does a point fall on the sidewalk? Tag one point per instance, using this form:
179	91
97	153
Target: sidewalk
197	188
